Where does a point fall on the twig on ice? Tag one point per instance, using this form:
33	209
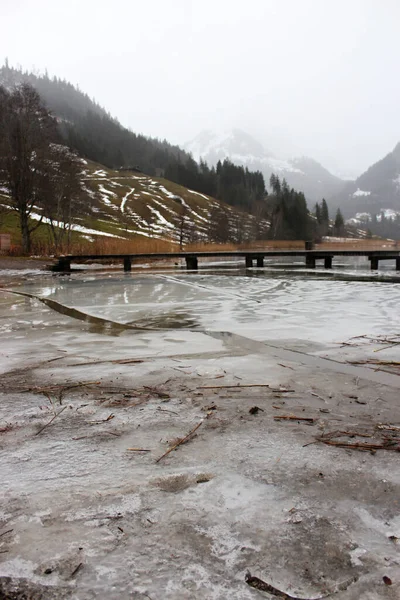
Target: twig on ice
294	418
243	385
51	420
8	531
183	440
74	572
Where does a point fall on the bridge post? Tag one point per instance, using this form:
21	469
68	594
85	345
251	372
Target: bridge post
249	262
374	263
310	261
64	264
191	262
328	262
397	264
127	263
260	261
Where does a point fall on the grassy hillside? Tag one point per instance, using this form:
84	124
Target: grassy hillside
129	205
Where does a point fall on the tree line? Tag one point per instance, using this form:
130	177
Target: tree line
281	214
323	225
232	184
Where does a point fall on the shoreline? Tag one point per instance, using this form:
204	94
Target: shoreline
23	263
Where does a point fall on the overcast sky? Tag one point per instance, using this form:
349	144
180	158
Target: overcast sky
315	77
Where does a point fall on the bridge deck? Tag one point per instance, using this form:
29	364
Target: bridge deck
311	256
239	253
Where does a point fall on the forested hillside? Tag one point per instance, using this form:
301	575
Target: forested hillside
95	135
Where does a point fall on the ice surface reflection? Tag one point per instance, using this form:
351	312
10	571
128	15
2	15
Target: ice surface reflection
263	305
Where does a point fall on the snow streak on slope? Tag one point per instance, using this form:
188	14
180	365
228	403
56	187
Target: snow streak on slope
74	227
125	198
120	204
150	206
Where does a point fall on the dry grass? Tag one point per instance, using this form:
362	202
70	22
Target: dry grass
255	245
137	245
209	247
140	245
274	245
362	244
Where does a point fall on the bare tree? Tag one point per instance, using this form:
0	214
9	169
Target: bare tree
184	224
219	226
27	131
64	196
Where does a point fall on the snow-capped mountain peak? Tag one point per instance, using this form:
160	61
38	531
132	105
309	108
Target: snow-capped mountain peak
304	174
213	146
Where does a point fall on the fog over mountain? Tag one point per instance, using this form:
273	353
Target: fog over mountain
302	173
304	77
376	190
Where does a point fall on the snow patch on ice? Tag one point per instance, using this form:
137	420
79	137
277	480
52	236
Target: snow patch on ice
18	567
355	557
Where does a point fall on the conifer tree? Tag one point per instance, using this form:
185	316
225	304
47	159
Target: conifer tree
339	223
324	218
318	213
324	212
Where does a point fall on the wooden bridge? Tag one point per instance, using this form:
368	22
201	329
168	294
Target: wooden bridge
251	257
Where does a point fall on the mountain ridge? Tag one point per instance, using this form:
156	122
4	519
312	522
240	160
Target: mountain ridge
375	190
302	173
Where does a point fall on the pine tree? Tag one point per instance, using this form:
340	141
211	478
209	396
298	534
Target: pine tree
324	218
339	223
324	212
288	213
318	213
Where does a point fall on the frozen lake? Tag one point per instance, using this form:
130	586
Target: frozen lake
317	306
104	375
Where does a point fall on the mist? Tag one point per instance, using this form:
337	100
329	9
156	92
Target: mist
305	77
